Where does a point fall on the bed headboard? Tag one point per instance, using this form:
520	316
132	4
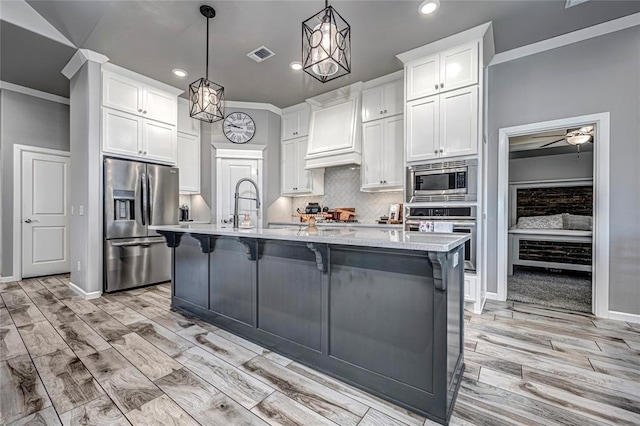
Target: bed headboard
551	197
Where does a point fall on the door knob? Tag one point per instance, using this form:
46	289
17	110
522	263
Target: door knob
28	221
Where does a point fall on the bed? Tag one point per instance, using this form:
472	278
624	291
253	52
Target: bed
551	225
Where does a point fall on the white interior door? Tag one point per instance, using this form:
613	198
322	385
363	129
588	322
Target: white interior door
229	173
45	214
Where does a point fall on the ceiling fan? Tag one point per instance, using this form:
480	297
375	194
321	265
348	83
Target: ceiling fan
573	137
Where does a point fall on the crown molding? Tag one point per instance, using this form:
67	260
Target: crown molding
33	92
253	105
567	39
79	58
21	14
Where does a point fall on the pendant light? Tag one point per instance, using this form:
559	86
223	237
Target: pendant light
326	45
206	98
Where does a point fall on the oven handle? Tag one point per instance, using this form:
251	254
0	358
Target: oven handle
455	224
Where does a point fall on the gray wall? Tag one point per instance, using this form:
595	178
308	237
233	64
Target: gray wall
593	76
267	133
25	120
550	167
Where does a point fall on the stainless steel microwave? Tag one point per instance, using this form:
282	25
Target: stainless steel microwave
443	181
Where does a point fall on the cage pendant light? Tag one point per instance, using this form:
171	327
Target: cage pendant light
326	45
206	98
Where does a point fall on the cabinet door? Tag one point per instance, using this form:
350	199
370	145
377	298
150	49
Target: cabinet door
423	77
331	131
290	125
304	181
423	131
372	104
459	67
121	93
159	141
159	105
459	122
303	121
393	161
186	124
189	163
372	153
393	98
289	166
121	133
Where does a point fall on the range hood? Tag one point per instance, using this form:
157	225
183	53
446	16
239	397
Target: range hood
335	128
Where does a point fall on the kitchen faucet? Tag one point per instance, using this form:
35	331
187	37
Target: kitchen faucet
238	197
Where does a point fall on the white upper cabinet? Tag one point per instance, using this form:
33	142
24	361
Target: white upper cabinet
443	125
333	128
189	163
448	70
382	101
295	179
186	124
139	116
295	121
128	95
382	159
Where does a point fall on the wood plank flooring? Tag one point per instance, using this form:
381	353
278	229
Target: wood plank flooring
127	358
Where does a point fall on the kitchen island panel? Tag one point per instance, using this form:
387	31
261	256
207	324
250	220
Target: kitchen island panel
233	289
290	293
191	272
378	302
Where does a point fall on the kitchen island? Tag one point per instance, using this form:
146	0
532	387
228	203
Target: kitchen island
379	309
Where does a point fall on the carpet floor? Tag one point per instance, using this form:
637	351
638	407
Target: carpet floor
567	289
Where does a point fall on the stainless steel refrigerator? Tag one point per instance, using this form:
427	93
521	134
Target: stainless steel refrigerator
137	195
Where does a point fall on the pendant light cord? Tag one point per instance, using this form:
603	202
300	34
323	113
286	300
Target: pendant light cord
207	68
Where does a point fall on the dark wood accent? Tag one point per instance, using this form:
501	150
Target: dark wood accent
556	251
555	200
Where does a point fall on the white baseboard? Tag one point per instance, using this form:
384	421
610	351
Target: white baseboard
8	279
623	316
492	296
84	294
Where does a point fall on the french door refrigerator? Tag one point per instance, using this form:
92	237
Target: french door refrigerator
137	195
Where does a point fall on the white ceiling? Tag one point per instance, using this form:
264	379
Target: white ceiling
153	37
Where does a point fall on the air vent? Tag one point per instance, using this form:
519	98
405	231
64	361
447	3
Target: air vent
260	54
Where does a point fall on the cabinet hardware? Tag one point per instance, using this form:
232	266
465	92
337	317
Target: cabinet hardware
442	85
144	112
139	152
385	111
140	110
436	151
144	153
436	86
441	150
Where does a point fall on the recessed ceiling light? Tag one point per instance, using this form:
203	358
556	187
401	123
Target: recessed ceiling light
429	6
295	65
180	73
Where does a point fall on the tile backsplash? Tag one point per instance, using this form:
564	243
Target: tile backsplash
342	189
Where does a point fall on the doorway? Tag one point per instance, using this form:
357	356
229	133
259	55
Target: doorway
600	236
41	211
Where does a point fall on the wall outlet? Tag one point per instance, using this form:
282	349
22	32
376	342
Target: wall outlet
81	210
78	266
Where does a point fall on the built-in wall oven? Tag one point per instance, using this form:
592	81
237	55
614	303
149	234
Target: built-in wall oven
462	218
443	181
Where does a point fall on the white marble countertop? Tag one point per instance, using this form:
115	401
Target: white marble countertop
366	237
340	225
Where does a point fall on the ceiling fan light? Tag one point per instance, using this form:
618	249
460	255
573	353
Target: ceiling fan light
578	139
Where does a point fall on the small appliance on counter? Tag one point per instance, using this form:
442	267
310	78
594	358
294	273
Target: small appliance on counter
313	208
184	213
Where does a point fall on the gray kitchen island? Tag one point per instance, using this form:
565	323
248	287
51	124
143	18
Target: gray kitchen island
379	309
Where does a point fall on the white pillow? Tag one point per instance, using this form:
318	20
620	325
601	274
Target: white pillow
553	221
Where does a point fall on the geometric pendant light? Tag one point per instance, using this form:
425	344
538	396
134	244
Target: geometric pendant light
206	98
326	45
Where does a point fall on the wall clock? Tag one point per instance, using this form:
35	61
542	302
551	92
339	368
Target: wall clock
238	127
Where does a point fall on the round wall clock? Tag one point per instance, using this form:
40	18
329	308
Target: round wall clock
238	127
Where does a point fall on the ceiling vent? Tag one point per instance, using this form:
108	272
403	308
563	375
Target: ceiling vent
260	54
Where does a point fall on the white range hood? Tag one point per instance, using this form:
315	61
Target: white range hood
335	128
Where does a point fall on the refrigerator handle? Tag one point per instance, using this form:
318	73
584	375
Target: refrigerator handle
150	203
143	185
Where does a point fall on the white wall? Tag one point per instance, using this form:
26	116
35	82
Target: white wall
25	120
597	75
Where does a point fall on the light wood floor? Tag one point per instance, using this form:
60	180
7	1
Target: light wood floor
128	359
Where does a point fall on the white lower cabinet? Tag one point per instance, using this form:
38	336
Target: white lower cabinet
189	163
296	180
470	290
382	148
129	135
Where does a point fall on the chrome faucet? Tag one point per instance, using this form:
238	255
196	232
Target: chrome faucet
238	197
